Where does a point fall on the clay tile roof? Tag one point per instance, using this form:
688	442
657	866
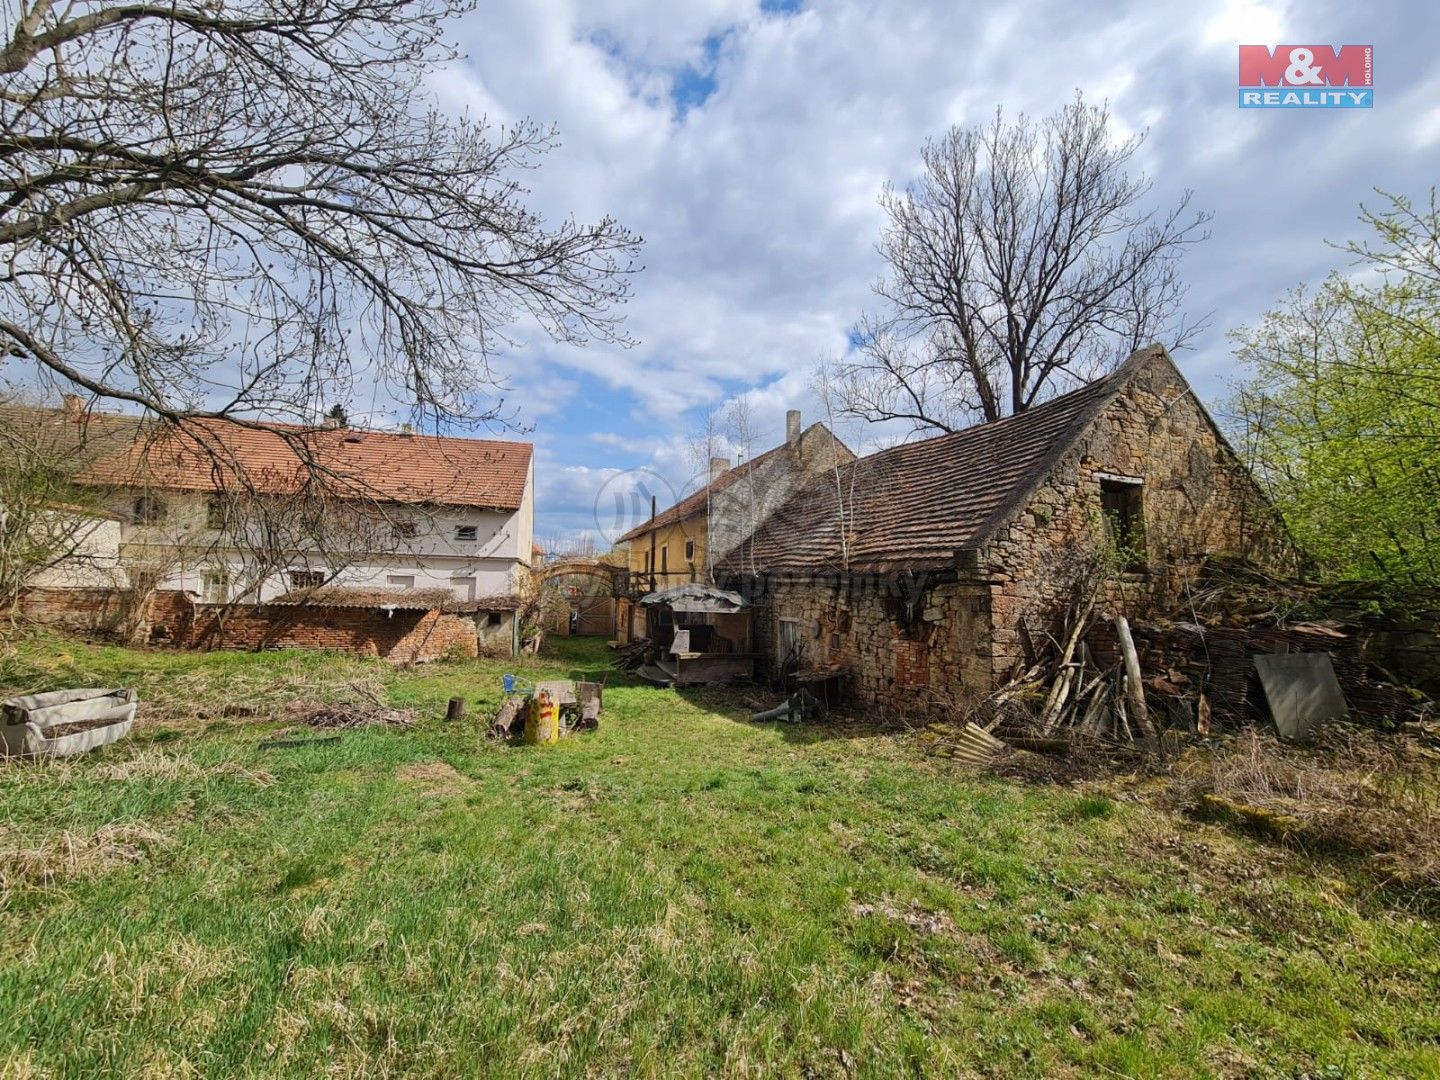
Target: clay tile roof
210	455
697	502
346	596
72	440
913	506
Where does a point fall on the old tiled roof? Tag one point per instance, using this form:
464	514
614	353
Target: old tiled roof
494	602
349	596
913	506
72	440
699	501
210	455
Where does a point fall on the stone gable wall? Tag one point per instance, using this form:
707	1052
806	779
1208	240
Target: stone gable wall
1199	502
962	637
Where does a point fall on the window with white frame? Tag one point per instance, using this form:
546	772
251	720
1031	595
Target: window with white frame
215	585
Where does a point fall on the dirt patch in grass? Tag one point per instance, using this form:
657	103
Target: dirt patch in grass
435	778
73	855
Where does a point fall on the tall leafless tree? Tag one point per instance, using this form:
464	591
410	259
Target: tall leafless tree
244	208
1023	259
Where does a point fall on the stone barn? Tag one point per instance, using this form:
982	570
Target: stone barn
924	573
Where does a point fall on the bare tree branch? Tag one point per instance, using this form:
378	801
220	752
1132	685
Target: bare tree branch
1022	260
244	208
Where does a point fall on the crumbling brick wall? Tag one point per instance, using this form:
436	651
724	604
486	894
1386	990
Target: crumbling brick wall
83	611
402	637
170	617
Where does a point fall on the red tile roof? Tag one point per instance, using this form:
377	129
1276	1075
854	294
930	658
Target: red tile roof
352	596
213	455
913	506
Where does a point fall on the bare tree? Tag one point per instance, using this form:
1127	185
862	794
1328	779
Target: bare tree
242	208
829	388
48	524
740	432
704	445
1024	258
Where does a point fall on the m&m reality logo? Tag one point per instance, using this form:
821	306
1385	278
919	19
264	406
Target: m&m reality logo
1306	77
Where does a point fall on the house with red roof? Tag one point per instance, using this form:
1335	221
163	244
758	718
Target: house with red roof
309	527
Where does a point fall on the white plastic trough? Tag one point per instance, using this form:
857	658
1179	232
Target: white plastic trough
28	718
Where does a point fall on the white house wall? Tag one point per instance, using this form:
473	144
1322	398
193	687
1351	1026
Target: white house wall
94	559
182	549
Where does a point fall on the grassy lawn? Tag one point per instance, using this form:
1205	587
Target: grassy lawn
679	893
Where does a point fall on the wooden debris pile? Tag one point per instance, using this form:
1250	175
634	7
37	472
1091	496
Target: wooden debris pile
349	714
1108	685
1071	690
634	655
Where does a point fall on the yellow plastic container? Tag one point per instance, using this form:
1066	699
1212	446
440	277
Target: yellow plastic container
542	722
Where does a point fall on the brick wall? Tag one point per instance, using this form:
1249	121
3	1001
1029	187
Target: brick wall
171	618
76	610
402	637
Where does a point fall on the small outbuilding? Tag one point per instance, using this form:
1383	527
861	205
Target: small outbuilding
702	634
929	571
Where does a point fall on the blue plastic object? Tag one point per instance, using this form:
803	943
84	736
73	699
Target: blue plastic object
514	682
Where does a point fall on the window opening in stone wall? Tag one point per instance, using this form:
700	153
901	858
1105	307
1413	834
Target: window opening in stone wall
1123	507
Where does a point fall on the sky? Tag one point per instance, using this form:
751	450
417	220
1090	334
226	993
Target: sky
747	142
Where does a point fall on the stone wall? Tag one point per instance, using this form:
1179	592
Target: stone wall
933	638
1199	502
899	646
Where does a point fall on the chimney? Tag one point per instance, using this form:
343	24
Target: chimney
74	406
792	427
331	422
719	466
407	429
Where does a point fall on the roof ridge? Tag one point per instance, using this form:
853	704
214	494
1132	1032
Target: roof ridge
919	502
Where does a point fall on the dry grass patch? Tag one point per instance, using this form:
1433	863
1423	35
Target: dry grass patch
24	861
149	763
435	778
1355	792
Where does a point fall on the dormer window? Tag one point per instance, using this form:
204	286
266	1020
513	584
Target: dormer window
466	532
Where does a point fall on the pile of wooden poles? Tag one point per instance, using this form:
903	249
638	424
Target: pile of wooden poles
1080	695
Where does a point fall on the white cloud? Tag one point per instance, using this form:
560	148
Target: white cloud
759	205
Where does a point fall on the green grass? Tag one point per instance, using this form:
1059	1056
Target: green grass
679	893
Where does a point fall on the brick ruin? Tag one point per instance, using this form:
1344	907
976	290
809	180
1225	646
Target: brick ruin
171	618
941	635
